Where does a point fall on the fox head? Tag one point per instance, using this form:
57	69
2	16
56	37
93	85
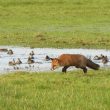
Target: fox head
55	63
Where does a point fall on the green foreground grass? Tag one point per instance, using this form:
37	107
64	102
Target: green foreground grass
55	23
55	91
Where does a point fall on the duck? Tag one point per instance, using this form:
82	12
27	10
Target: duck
3	50
10	52
98	57
32	53
30	61
18	61
12	63
105	60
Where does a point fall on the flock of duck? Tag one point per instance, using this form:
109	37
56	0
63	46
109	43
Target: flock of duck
14	63
102	57
30	60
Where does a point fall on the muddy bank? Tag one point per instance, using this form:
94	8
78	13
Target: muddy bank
39	57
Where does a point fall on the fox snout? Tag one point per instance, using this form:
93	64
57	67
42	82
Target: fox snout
54	67
55	63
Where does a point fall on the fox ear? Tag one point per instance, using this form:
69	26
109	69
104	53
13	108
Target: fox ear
54	59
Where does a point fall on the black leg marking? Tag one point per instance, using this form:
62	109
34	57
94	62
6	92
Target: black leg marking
84	69
64	68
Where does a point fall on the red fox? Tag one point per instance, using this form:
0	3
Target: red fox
77	60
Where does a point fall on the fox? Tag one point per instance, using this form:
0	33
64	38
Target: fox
77	60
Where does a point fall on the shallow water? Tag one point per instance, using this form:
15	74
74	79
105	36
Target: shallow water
40	53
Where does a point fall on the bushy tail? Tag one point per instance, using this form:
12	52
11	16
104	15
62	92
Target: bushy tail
92	65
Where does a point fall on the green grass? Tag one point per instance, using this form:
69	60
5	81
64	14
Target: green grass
59	24
55	91
55	23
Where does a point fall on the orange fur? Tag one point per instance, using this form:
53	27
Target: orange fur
77	60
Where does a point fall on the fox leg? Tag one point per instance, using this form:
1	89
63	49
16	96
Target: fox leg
84	69
64	68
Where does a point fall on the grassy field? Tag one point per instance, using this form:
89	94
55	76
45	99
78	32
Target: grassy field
55	23
58	24
55	91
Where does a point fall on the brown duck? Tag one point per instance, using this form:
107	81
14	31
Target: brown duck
12	63
30	61
10	52
18	61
